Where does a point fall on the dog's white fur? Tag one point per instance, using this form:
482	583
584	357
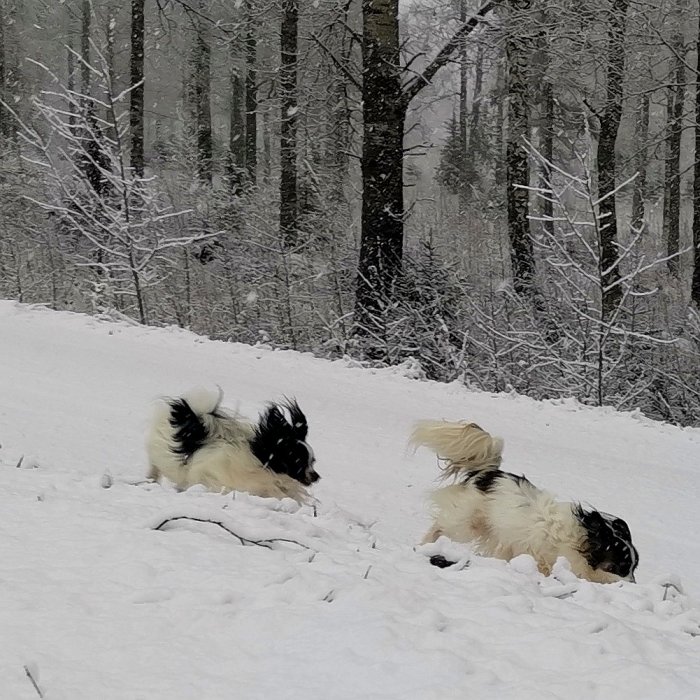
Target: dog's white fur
516	518
225	463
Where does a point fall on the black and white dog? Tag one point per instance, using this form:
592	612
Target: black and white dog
503	515
194	441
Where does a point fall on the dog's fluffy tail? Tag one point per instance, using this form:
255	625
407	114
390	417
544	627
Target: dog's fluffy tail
192	418
464	447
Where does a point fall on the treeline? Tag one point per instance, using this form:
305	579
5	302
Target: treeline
502	193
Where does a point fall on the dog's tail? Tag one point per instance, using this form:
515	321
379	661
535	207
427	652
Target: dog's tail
191	418
464	447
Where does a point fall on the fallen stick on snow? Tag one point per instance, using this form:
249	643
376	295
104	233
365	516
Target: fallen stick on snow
34	683
267	543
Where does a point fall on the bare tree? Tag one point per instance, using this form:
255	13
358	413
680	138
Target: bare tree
695	283
674	128
610	118
288	107
201	78
251	95
518	55
136	125
123	228
385	103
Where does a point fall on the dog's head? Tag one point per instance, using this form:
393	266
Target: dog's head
280	443
607	545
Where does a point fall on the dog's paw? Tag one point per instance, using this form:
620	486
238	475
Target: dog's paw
446	554
440	561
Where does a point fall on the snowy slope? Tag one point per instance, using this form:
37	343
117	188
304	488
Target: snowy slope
95	603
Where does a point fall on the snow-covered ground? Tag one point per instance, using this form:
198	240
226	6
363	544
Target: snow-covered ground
96	603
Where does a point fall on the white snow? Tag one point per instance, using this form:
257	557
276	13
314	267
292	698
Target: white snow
339	604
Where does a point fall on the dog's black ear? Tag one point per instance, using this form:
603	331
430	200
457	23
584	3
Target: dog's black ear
300	425
592	520
273	421
593	548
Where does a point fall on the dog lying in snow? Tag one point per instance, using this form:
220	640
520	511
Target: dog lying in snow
503	515
193	440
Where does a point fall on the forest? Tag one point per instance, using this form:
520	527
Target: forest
505	193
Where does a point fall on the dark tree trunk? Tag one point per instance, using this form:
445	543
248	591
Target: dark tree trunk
463	116
136	129
640	182
517	160
463	76
607	171
384	110
251	98
695	285
86	17
547	132
4	115
70	65
288	128
475	138
546	120
236	133
202	96
92	158
676	97
381	246
498	100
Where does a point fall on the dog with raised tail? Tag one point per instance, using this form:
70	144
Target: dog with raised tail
193	440
503	515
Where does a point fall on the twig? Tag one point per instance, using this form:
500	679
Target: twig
267	543
667	586
34	683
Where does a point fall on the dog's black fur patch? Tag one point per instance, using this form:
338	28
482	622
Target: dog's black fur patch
608	544
190	431
487	480
280	444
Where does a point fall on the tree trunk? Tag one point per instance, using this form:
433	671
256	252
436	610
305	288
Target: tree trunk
381	246
546	119
136	126
70	65
251	98
547	135
4	115
288	136
517	160
463	112
236	132
640	183
463	77
676	97
475	139
86	17
385	104
695	285
605	157
202	97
